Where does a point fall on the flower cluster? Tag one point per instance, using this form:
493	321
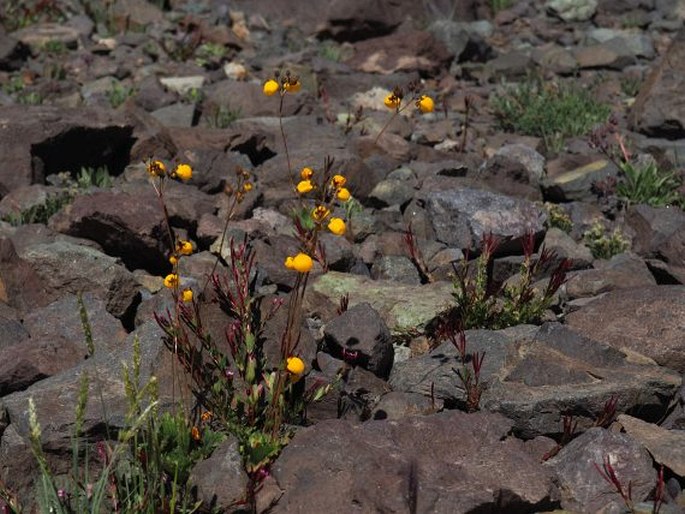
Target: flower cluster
423	103
327	192
158	169
172	280
286	83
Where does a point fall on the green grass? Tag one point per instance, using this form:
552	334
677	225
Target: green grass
40	213
648	184
222	116
554	113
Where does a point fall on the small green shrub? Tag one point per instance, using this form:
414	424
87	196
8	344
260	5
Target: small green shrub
648	184
556	217
118	94
40	213
222	116
98	177
210	55
551	112
604	246
480	303
500	5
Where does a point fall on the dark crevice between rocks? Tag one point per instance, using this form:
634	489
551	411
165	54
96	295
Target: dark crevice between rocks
83	147
129	317
255	150
508	501
662	275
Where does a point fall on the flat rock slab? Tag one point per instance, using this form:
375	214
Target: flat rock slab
534	376
646	320
451	462
404	308
666	446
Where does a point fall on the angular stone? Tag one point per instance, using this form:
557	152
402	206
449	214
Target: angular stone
221	480
533	376
403	308
582	487
645	320
39	34
577	183
63	267
623	271
417	464
666	446
573	10
659	233
659	111
462	217
41	140
361	331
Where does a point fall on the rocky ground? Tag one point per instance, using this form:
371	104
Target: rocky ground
108	84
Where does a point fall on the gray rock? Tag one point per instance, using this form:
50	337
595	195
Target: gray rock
397	268
360	331
573	10
582	487
175	115
577	184
461	217
659	233
391	192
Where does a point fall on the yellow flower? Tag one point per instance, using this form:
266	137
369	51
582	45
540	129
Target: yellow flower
289	262
295	365
304	186
302	263
187	295
156	168
184	247
183	171
306	173
320	213
425	104
343	194
206	416
271	87
392	101
247	186
195	433
338	181
292	86
171	281
173	260
337	226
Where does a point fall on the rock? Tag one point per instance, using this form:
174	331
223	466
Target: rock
397	268
391	192
534	375
510	65
462	217
565	247
134	15
12	52
514	170
403	308
38	35
65	267
613	54
129	226
666	446
577	183
183	85
436	465
57	341
573	10
659	233
175	115
582	487
56	398
397	405
555	58
246	99
652	317
354	20
658	111
220	480
42	140
414	51
10	326
361	331
623	271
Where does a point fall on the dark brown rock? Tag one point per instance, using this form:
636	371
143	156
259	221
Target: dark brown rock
645	320
419	464
42	140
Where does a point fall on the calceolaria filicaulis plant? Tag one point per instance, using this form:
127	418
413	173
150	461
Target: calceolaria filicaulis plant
398	100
